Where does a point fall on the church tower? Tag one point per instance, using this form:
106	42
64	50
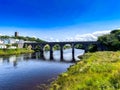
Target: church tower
16	34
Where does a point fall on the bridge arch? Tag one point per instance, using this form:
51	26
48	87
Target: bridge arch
79	46
46	47
78	50
92	47
67	51
37	48
67	46
46	53
56	48
29	46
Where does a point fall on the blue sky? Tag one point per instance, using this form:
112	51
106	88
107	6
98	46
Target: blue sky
58	19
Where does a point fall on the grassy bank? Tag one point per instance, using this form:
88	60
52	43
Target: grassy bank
96	71
4	52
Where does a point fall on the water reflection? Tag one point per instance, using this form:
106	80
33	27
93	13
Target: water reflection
16	59
25	71
67	54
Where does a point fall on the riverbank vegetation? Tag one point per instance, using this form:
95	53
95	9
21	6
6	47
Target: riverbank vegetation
95	71
4	52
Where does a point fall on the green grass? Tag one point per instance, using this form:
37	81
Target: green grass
4	52
95	71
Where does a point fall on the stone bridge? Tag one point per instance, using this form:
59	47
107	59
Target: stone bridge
85	45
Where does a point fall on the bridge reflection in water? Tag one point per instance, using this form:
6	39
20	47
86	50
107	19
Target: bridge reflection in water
85	45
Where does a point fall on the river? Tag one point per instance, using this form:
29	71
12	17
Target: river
27	71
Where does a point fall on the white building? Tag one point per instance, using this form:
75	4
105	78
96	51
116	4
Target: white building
11	41
1	42
20	43
3	46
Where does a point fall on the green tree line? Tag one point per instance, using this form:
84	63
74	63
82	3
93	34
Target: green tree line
111	41
22	38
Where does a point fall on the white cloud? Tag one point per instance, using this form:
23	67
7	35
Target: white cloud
85	37
90	36
99	33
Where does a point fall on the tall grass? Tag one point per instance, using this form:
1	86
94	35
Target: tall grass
96	71
4	52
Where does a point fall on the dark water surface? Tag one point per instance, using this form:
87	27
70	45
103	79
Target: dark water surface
25	72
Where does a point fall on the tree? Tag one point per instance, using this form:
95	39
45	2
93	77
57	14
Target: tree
15	44
8	45
115	31
111	41
23	38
